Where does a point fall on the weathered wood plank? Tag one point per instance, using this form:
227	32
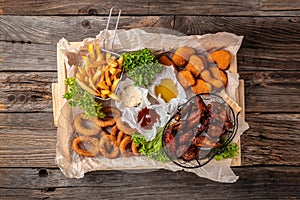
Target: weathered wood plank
29	140
153	7
27	57
34	46
50	29
23	92
27	148
270	139
254	183
273	91
269	42
31	91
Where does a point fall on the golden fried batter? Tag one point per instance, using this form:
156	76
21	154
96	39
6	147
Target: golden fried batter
201	87
185	78
182	56
221	57
195	65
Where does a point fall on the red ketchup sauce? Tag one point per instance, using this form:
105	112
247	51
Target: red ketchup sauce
147	118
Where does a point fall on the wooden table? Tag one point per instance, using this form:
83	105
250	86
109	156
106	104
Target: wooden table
268	61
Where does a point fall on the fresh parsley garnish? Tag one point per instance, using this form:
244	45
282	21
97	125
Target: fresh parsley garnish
141	66
82	99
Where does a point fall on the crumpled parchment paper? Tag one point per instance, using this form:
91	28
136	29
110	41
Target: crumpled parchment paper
75	166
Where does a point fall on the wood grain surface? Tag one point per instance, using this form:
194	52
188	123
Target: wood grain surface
268	61
153	7
52	184
29	42
31	91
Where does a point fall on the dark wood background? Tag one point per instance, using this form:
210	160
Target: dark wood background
268	61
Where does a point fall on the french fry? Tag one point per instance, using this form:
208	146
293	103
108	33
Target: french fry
112	70
107	57
102	85
115	84
97	76
81	70
91	52
79	76
113	96
98	53
120	61
113	64
105	92
103	96
86	79
86	61
97	63
89	72
91	83
107	77
87	88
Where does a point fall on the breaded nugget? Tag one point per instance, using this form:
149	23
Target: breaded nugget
218	74
224	77
206	76
221	57
165	60
195	65
182	56
185	78
201	87
215	72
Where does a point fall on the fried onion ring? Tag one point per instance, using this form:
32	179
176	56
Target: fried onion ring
106	122
126	142
80	124
120	137
108	148
124	127
135	149
114	130
86	141
115	111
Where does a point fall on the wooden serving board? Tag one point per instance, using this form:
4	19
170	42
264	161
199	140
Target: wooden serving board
59	88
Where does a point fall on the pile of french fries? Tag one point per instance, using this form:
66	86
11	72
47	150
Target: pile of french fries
101	73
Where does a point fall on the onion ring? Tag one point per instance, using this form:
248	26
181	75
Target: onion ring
135	149
108	148
124	127
91	141
120	137
114	130
79	125
106	122
115	111
126	142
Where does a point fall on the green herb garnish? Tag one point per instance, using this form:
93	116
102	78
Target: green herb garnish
144	75
152	149
230	151
83	99
138	58
141	66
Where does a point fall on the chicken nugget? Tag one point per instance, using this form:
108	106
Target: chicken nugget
195	65
221	57
218	74
182	56
185	78
224	77
215	72
165	60
201	87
